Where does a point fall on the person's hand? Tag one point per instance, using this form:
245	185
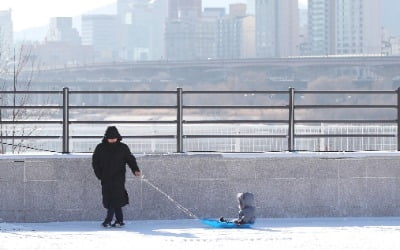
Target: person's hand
137	173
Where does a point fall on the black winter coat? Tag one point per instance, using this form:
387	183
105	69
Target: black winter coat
109	164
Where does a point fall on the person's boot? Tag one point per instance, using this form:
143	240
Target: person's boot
118	224
106	224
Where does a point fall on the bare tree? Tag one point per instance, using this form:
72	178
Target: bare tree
16	73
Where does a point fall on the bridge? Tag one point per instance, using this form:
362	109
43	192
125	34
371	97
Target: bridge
256	73
370	61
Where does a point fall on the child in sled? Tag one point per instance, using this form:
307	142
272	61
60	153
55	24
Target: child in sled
247	210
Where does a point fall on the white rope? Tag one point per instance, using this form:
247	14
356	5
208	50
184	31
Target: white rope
178	205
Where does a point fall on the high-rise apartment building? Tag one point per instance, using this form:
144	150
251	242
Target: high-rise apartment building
182	39
184	9
345	27
159	15
358	27
236	34
60	30
141	25
277	28
206	45
321	26
6	35
62	46
214	12
99	31
237	10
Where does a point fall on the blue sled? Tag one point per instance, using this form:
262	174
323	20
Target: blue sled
219	224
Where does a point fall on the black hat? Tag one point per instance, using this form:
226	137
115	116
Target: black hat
111	133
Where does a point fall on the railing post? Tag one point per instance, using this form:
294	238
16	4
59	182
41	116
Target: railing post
291	121
398	119
1	131
179	120
65	142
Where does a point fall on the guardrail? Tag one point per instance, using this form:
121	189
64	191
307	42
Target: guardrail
291	108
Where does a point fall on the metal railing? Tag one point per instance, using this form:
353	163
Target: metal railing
291	107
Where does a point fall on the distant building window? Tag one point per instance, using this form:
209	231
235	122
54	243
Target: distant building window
128	18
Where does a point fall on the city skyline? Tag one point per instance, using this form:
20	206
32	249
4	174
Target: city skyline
201	29
26	14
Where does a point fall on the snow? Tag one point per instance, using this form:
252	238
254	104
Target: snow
308	233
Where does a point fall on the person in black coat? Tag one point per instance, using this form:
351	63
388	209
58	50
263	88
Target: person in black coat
109	164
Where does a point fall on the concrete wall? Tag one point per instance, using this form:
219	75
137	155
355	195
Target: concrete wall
64	188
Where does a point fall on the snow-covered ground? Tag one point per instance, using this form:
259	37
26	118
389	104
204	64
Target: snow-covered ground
310	233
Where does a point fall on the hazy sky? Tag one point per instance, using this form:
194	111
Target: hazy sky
32	13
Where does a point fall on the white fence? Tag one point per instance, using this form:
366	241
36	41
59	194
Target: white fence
324	143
